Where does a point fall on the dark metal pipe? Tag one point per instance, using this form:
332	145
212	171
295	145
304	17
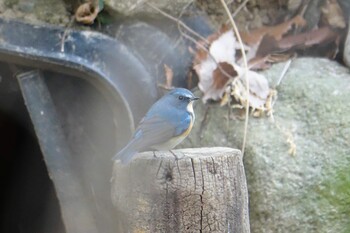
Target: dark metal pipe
77	215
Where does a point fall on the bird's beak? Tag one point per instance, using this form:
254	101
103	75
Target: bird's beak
194	98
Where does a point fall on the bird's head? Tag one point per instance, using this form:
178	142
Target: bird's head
182	98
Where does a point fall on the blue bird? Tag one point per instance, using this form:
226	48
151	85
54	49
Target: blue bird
165	125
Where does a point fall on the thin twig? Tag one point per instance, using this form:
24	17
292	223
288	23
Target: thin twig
229	115
184	9
284	71
245	72
239	8
283	74
178	21
204	121
191	38
134	6
65	34
210	55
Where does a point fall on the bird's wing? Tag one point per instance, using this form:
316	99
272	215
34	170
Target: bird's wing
172	127
183	125
154	130
151	131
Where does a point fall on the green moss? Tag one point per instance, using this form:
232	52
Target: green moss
334	199
308	192
51	11
11	3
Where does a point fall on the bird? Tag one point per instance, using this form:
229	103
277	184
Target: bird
166	124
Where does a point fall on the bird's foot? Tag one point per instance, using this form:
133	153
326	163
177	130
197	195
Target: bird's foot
176	156
154	154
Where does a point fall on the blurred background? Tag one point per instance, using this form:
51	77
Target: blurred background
77	76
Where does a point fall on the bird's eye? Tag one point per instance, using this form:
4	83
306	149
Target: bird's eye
181	97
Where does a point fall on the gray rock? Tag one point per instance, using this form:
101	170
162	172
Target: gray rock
308	191
130	7
293	5
36	11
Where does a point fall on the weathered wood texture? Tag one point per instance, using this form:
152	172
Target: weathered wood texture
205	191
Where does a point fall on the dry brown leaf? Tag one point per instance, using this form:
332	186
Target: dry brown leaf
212	80
202	54
219	79
191	81
333	14
265	54
267	45
259	63
258	85
213	37
86	13
264	41
255	36
280	57
214	84
315	37
222	79
169	74
258	90
271	51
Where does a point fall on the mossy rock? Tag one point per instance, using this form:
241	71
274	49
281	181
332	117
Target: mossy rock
310	190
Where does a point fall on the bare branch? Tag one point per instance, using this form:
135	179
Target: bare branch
245	72
177	20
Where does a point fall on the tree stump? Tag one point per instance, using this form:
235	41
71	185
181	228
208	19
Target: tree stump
204	191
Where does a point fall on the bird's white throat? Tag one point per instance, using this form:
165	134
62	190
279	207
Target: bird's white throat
190	108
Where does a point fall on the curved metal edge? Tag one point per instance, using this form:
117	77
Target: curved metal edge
89	55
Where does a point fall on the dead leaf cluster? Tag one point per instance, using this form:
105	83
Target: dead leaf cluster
271	44
218	61
88	11
220	76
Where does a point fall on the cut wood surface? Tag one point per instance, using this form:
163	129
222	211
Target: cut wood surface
204	191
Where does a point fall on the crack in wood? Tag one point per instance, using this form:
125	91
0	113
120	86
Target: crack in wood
214	168
173	203
203	122
178	168
201	199
160	165
194	174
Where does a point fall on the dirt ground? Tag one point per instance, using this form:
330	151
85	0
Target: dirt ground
36	11
254	14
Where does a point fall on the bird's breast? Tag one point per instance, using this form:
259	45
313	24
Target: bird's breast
170	144
190	108
188	130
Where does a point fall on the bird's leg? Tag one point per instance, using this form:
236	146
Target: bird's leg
176	158
154	154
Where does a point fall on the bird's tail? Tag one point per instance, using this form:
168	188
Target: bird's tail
125	155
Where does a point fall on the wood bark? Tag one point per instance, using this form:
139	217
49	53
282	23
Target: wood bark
204	191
